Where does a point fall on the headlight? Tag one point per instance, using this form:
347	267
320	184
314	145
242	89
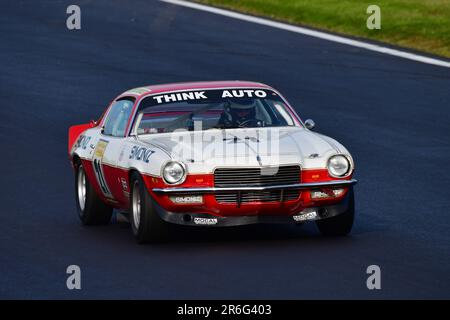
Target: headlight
338	166
174	172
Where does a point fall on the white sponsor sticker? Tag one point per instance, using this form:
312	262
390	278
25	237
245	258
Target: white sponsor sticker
187	199
181	96
247	93
208	221
305	216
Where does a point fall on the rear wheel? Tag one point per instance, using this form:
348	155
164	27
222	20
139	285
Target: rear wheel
145	222
341	224
91	209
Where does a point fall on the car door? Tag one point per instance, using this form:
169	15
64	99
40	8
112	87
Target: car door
111	178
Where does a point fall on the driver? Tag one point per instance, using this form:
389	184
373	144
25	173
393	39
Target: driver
239	113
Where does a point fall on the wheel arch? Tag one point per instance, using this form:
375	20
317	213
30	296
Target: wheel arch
76	161
131	171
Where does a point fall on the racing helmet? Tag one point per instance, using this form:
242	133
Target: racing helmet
242	109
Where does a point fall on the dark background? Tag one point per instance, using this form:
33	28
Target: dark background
391	113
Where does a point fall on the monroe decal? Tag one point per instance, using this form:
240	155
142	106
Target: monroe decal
141	153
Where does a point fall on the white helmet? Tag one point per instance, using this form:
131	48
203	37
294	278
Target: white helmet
242	109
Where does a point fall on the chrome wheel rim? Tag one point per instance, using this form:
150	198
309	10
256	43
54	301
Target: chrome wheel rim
136	203
81	185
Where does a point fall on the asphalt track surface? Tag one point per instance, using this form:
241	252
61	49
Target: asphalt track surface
392	114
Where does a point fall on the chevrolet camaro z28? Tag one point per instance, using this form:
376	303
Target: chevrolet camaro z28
221	153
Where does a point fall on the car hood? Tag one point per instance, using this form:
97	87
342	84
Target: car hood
203	151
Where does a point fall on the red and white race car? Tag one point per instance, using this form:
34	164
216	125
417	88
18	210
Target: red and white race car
219	153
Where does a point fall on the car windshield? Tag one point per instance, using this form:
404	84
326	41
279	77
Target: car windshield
209	109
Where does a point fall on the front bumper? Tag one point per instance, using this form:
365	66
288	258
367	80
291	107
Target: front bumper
208	220
300	186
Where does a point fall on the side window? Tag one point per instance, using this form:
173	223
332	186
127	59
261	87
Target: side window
117	118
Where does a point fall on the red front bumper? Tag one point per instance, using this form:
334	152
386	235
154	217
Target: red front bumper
204	185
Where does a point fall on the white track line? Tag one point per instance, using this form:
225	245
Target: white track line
312	33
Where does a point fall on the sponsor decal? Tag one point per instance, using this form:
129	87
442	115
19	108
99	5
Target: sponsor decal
248	93
124	184
141	153
202	95
82	141
187	199
205	221
305	216
181	96
99	151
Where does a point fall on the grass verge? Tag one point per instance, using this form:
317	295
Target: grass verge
419	24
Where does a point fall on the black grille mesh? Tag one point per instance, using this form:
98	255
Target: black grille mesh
259	177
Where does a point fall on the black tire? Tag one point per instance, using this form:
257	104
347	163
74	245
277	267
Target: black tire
146	224
342	224
94	211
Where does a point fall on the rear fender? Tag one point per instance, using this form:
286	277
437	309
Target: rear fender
76	131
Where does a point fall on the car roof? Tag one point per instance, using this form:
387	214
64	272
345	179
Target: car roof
168	87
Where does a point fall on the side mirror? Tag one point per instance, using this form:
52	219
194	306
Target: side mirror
92	123
310	124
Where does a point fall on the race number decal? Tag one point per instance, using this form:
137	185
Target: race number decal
97	163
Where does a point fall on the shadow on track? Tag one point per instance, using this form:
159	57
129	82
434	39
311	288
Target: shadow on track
306	233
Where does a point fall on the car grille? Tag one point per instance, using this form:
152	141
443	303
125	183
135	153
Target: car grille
256	177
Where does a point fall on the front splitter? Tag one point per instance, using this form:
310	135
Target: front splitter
208	220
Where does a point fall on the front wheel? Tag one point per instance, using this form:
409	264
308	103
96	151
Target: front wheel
146	224
341	224
91	209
